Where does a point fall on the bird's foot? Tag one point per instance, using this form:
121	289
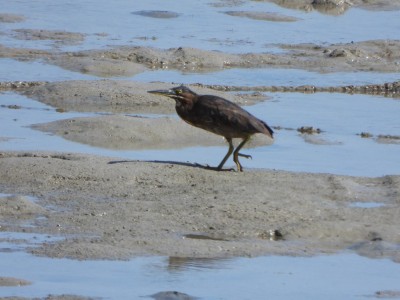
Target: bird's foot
207	167
245	155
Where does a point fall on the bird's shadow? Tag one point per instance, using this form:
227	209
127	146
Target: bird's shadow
169	162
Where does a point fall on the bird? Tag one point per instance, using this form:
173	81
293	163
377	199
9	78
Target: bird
219	116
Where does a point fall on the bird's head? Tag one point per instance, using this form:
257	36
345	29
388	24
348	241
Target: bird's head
181	94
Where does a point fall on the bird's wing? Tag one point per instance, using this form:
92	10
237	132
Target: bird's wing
227	116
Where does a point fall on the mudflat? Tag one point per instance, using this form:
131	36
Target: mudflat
106	208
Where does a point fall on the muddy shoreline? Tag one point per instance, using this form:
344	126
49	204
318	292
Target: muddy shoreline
111	209
388	89
367	56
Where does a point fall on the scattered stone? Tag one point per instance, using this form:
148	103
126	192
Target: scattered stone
390	89
11	106
16	85
366	135
338	53
309	130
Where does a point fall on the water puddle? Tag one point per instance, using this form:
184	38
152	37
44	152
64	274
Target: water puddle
268	77
367	204
20	241
14	70
343	276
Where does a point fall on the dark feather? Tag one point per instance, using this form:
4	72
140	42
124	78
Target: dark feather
222	117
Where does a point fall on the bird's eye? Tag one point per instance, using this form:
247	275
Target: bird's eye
179	91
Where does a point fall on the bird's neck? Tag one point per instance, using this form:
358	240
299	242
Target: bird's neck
184	110
182	105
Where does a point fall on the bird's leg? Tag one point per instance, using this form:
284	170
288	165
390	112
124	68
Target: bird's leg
230	150
236	154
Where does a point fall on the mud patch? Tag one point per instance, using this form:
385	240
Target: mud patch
172	295
337	7
158	14
369	56
10	281
227	3
19	207
97	66
118	96
330	7
11	18
387	294
137	133
381	138
63	37
133	208
388	139
262	16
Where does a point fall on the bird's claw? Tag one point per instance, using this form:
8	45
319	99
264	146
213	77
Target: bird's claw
245	155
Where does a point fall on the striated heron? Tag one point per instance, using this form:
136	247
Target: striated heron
219	116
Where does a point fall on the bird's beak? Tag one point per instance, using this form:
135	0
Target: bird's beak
167	93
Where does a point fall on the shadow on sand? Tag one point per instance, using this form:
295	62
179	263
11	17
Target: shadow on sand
178	163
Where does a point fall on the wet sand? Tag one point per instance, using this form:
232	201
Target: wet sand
369	56
111	209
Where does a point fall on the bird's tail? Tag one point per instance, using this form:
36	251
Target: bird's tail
269	129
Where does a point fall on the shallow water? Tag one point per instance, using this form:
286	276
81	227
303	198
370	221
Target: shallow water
343	276
14	70
268	77
339	149
200	24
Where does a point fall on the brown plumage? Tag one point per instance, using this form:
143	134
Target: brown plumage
219	116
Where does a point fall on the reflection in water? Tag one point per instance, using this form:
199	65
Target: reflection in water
377	248
178	264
